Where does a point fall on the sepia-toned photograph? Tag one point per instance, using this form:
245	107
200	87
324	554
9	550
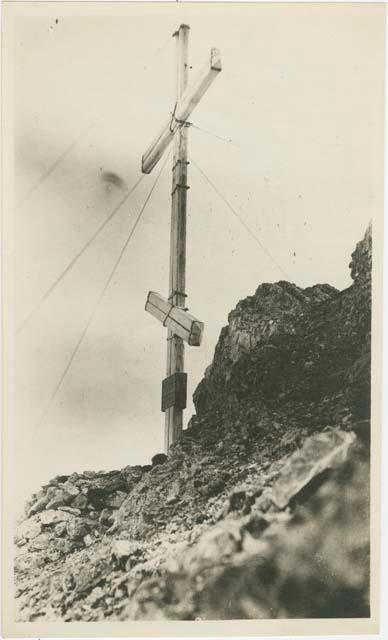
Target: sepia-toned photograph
192	248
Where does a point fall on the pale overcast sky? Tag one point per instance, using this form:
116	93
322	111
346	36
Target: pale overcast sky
300	96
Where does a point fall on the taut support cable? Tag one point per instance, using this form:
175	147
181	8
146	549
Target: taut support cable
99	299
78	255
244	224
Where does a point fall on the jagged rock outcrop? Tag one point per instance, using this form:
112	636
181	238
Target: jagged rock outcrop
361	263
261	510
293	351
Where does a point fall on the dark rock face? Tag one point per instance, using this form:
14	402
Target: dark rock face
361	263
260	511
299	355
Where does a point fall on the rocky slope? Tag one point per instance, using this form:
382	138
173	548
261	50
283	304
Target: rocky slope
261	510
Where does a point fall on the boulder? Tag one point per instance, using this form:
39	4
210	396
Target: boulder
115	500
219	543
53	517
319	452
41	542
70	488
80	501
29	529
72	510
60	529
39	505
159	458
88	540
106	517
77	529
123	549
59	499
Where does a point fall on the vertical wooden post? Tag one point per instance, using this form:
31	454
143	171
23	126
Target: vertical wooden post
177	283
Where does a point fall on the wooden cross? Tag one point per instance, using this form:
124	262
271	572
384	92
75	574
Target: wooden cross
172	312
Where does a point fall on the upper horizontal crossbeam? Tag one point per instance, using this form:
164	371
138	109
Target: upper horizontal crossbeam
182	111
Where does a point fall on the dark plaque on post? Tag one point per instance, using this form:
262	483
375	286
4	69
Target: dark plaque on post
174	391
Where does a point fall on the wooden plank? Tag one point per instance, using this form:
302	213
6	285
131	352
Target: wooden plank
174	391
184	107
154	311
177	320
165	307
196	334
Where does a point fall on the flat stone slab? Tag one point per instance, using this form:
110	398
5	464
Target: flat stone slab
319	452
